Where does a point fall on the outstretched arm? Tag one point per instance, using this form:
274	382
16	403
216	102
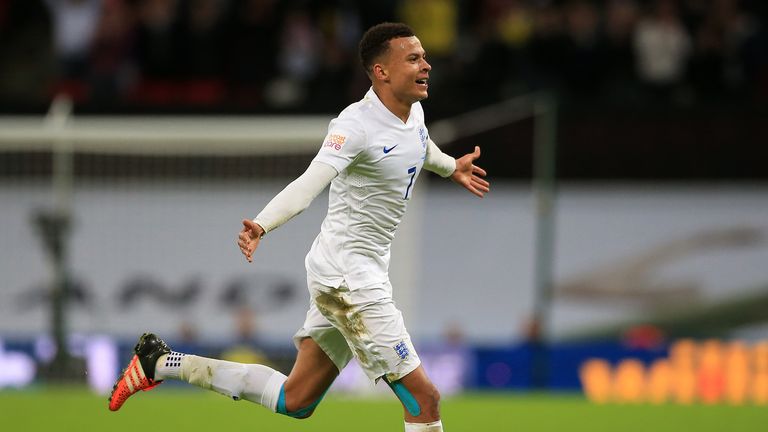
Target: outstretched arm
294	199
469	175
462	170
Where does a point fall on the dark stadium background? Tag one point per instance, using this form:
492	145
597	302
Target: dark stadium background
224	57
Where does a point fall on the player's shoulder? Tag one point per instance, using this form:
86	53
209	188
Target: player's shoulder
356	117
348	124
346	128
361	111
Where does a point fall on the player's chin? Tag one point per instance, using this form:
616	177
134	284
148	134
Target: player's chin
420	95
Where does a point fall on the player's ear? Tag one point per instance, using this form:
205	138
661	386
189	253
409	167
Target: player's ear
380	72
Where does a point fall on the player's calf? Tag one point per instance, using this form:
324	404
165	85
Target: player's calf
422	403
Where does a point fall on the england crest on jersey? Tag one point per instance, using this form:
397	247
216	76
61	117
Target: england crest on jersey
423	136
402	350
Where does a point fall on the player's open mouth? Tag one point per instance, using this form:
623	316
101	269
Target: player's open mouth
422	82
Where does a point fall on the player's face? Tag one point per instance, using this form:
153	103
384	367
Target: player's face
408	69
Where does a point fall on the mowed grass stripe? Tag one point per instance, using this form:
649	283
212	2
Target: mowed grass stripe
64	410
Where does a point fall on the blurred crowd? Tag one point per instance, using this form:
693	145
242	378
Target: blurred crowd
301	55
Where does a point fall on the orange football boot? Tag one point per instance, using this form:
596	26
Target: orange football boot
140	373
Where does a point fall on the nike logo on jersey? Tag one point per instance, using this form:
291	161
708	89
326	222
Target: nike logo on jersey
387	150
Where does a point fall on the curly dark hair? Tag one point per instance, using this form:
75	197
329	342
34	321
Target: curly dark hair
375	41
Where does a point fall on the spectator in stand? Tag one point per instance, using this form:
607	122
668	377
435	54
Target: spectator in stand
112	67
663	47
172	53
515	24
74	26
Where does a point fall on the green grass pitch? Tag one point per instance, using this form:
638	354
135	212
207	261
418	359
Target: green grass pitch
63	410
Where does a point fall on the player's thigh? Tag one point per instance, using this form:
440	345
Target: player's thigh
326	336
322	353
311	376
373	328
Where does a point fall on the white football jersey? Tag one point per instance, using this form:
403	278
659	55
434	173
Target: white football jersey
378	158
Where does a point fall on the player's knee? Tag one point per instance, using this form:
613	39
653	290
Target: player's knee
428	398
435	395
300	411
300	406
431	400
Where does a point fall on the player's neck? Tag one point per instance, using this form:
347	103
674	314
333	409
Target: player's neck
399	108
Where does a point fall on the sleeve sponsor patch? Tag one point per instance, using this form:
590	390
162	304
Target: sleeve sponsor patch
335	141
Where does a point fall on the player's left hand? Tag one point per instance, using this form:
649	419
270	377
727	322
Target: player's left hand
469	175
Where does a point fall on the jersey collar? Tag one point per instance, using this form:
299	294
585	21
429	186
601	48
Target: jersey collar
389	114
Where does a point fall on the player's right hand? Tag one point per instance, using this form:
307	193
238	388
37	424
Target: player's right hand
470	175
249	238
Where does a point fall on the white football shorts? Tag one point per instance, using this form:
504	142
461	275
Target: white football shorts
363	323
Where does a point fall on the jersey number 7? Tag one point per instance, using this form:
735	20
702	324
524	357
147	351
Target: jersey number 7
412	172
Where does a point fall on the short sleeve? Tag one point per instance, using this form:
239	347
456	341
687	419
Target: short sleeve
343	143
